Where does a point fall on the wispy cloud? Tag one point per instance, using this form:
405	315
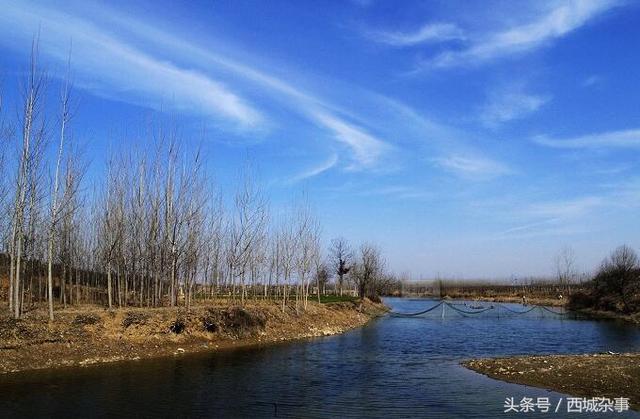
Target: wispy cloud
565	208
111	67
567	216
362	3
613	139
552	218
614	169
316	170
530	226
591	81
625	194
472	167
455	149
509	103
552	228
397	192
537	31
431	32
366	147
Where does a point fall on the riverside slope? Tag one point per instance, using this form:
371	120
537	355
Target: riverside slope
92	335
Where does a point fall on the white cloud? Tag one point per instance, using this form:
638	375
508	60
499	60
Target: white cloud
510	103
316	170
613	139
431	32
554	228
540	29
551	218
114	68
592	80
565	208
366	148
561	214
472	167
530	226
398	192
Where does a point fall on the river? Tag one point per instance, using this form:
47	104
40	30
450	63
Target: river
393	367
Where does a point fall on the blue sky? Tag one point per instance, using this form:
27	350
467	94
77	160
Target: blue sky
470	139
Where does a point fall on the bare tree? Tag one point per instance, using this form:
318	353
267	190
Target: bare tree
215	243
55	208
565	267
32	133
112	223
341	259
322	278
248	228
308	247
619	276
368	270
152	231
287	249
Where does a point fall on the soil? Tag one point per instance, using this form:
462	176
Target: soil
91	335
590	375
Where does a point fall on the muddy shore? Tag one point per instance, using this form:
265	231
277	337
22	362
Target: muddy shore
91	335
589	375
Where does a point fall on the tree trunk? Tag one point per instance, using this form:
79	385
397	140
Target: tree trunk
109	288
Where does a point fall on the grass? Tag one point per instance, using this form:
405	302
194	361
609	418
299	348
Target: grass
327	299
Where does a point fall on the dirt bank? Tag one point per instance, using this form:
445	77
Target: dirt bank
597	375
88	335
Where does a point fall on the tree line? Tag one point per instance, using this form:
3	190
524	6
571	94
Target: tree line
152	229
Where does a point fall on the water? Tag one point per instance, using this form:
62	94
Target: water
393	367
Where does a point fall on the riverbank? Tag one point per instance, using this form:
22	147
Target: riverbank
92	335
531	300
596	375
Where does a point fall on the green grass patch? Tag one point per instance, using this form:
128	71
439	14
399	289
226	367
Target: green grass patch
327	299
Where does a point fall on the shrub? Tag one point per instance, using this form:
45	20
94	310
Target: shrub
580	300
241	322
617	282
209	325
178	326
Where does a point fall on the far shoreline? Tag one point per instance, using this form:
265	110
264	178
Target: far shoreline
537	301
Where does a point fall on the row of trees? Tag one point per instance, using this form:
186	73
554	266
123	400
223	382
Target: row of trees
153	229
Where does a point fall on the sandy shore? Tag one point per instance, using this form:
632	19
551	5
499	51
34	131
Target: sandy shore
590	375
86	336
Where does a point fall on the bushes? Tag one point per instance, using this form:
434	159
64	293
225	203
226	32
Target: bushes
580	300
242	323
178	326
234	321
616	286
